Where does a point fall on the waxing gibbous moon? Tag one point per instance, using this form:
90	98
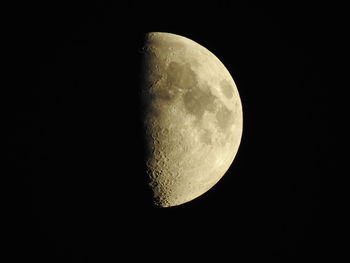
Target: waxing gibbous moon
192	115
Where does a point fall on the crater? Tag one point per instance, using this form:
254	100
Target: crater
227	88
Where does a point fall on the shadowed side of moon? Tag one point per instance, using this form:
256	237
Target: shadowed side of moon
192	118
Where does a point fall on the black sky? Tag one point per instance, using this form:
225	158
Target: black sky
77	152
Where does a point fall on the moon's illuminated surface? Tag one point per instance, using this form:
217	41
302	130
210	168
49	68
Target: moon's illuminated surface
192	117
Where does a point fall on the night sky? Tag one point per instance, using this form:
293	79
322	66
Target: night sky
76	146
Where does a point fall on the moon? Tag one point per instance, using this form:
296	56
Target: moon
192	118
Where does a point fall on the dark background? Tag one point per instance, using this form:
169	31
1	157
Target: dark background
76	151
